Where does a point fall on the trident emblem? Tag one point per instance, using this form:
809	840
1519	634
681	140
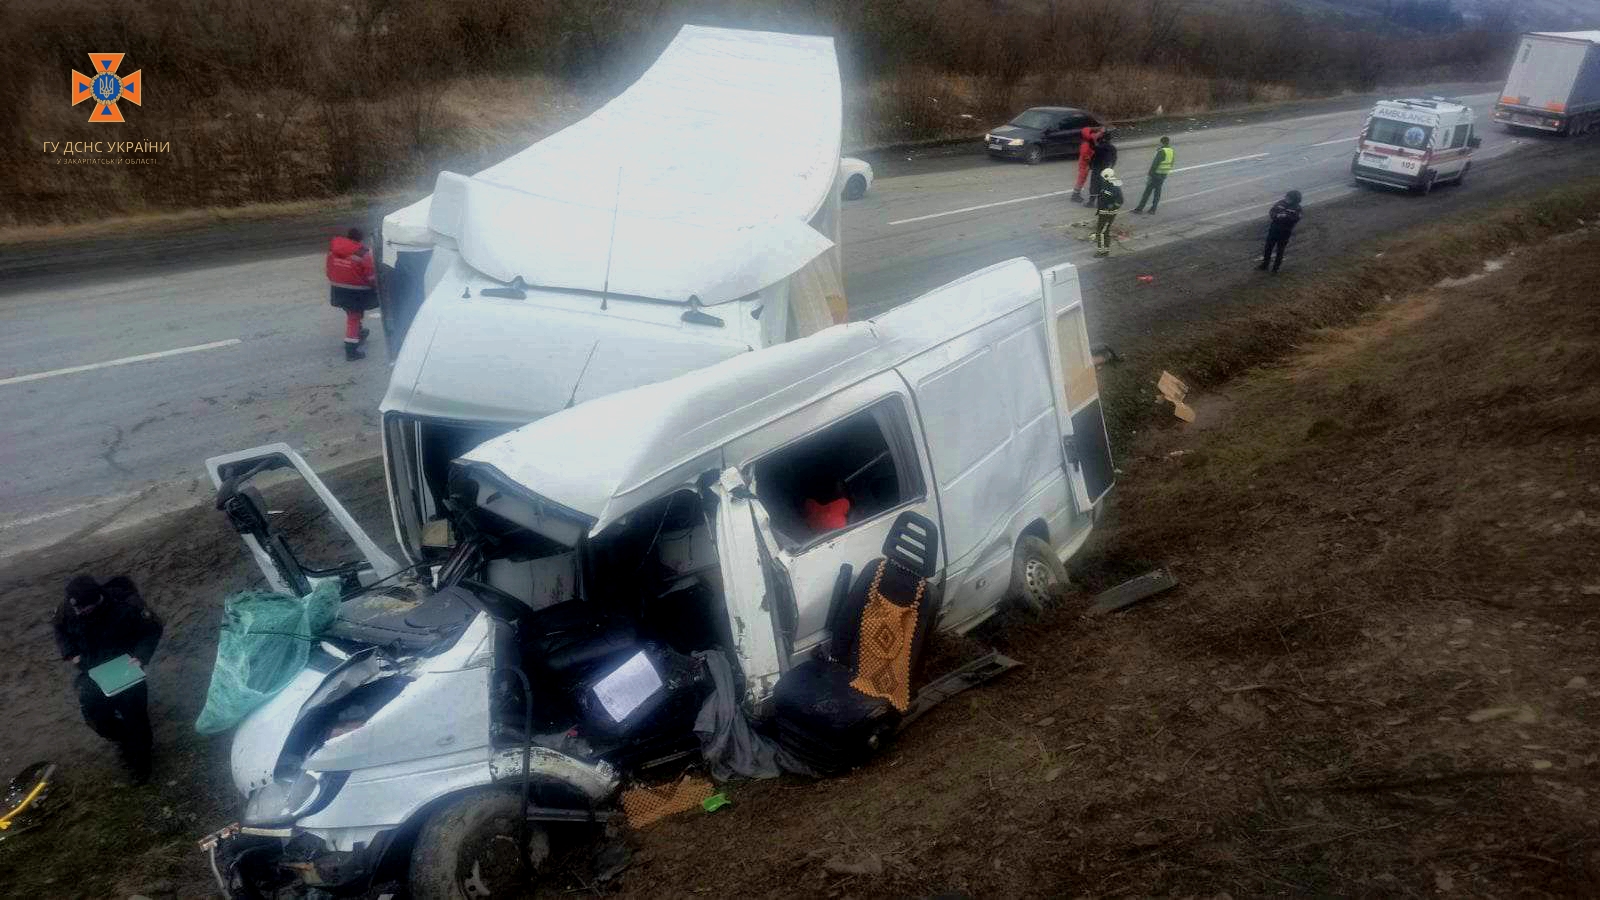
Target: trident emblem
105	88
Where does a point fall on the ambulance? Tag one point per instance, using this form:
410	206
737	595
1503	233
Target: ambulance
1415	144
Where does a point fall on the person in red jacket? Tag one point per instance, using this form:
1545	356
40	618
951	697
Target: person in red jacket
352	287
1085	154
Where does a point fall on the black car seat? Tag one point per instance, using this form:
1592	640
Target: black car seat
835	713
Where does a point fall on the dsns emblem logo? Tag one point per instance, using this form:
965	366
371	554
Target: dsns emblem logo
106	87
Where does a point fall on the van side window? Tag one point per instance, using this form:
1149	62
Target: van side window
1460	139
849	472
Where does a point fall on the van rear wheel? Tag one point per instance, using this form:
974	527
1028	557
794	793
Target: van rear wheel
468	849
1037	575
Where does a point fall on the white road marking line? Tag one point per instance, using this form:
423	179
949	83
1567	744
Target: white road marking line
1493	152
1220	162
36	376
1343	140
68	510
1224	187
966	209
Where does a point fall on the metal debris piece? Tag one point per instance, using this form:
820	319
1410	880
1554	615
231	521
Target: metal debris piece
985	668
1132	591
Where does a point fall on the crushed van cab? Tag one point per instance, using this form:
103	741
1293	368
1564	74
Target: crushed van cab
1415	144
625	249
614	567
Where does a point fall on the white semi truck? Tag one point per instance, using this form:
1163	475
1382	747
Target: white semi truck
1554	84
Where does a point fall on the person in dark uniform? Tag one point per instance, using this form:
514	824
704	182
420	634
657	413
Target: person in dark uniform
95	624
1281	219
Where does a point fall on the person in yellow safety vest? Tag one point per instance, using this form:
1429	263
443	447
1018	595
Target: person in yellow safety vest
1160	168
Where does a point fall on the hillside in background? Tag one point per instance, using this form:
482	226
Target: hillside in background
267	102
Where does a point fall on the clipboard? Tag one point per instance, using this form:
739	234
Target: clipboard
116	676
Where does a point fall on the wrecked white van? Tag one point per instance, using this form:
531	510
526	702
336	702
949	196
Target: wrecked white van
709	513
635	245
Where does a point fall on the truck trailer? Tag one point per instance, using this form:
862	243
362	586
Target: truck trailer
1554	84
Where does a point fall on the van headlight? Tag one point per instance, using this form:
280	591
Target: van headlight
283	801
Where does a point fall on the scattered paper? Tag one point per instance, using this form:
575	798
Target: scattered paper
625	689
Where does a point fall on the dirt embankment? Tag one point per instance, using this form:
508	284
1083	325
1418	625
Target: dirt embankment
1378	677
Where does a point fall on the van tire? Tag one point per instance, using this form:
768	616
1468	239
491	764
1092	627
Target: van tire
1034	156
467	849
1037	575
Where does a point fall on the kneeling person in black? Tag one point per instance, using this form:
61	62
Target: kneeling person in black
95	624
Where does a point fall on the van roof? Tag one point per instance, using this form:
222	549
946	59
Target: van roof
1433	104
1592	37
603	458
699	180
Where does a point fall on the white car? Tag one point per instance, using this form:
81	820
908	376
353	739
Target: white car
856	176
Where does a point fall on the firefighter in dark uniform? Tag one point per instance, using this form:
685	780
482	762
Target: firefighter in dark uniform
95	624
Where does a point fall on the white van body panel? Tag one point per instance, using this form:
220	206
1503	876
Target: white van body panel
603	458
992	375
987	413
636	194
476	358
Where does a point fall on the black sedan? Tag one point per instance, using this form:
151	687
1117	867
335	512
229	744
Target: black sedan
1040	132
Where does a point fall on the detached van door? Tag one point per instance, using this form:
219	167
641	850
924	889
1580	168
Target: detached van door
1085	447
357	558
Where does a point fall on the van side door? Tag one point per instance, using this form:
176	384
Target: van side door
989	418
829	481
1085	446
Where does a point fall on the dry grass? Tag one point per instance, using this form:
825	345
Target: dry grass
1208	353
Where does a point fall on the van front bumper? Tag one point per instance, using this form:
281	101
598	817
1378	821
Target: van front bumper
288	862
1392	178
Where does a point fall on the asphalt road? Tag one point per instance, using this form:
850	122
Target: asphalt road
114	388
